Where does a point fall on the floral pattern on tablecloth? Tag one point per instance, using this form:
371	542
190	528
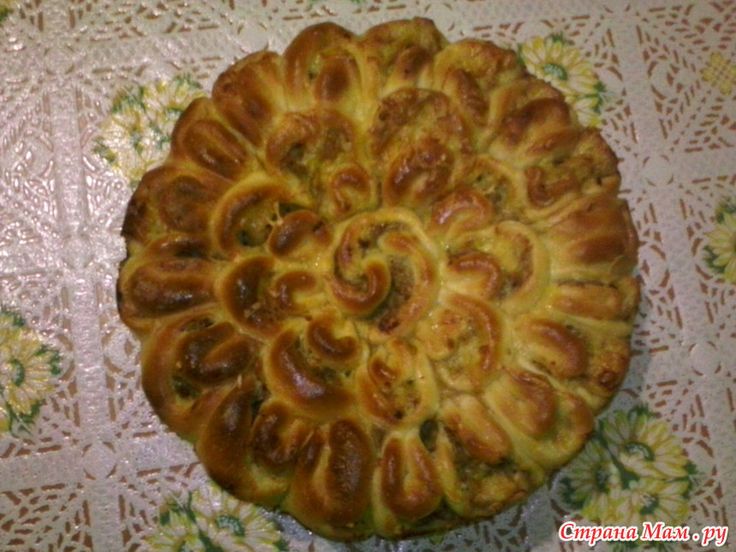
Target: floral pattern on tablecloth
6	7
720	252
634	469
210	520
28	367
136	135
556	60
720	72
669	66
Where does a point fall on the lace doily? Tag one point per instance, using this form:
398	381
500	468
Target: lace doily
89	92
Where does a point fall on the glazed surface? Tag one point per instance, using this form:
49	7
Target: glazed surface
382	282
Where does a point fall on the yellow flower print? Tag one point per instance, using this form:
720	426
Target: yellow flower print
212	520
590	479
721	248
588	110
137	133
645	445
27	367
4	418
25	379
232	524
720	73
177	533
555	60
6	6
653	500
632	470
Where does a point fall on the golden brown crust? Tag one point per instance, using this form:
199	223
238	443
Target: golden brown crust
383	282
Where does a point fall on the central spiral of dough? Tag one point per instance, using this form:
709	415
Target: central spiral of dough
385	272
382	282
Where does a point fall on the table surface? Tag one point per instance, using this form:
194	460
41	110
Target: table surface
90	90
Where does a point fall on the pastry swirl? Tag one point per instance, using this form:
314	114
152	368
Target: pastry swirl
382	282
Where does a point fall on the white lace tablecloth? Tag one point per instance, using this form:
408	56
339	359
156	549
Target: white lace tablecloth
89	90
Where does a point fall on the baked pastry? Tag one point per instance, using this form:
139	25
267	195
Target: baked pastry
382	282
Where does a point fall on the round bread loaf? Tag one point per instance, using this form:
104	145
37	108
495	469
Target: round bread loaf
382	282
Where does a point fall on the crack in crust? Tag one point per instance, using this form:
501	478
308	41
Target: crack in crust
383	282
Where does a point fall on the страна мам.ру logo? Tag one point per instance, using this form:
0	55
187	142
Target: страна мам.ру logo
715	535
